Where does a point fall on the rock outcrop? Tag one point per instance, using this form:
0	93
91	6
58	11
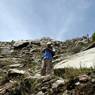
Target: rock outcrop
85	59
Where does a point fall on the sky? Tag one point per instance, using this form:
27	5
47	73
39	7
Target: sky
57	19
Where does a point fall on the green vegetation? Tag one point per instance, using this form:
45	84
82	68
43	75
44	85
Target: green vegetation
93	36
69	73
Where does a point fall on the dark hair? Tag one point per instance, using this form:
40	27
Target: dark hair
49	46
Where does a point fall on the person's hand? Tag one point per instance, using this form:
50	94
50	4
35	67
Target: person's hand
53	50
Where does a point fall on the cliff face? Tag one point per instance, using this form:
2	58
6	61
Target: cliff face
20	63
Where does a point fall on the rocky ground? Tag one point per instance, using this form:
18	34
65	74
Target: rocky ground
20	63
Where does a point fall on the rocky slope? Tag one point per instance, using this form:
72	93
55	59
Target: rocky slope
20	63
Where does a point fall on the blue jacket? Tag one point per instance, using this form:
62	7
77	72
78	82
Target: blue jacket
47	54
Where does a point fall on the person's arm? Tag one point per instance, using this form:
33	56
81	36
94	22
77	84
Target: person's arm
43	51
53	53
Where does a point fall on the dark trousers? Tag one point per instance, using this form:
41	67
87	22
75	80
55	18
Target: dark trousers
47	67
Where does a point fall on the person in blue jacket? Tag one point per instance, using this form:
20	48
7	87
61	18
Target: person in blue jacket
47	56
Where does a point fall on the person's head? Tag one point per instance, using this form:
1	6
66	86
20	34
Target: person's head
49	45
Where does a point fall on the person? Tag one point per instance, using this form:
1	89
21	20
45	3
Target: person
47	57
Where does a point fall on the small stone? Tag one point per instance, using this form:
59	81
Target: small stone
58	83
44	89
40	93
84	78
93	80
77	83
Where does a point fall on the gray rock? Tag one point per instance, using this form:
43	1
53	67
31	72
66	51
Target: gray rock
20	44
65	93
83	59
15	65
1	56
34	50
40	93
15	72
58	83
44	89
84	78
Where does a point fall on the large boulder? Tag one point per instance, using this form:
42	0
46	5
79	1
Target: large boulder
85	59
20	44
13	73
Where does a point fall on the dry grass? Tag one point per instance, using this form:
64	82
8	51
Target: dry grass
68	73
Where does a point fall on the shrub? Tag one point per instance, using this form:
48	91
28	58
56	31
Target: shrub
93	36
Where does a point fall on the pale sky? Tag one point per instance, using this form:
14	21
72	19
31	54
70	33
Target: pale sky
58	19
